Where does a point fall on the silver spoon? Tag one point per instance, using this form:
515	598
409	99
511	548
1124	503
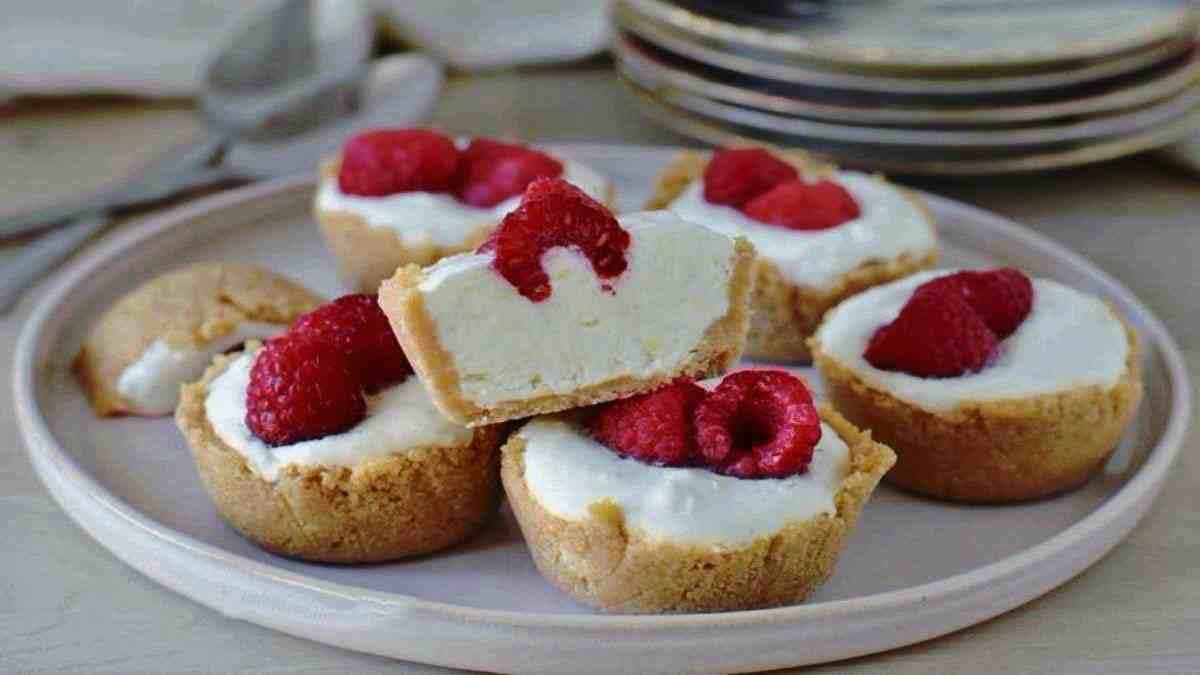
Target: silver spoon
273	79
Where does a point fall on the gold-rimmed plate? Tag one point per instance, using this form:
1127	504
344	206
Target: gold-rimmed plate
918	34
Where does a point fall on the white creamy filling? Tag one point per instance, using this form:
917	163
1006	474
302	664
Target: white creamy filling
1069	340
567	472
151	384
398	418
889	225
423	218
506	347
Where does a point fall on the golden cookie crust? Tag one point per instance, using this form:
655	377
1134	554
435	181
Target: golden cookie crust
601	563
784	315
719	348
416	501
187	307
366	255
992	451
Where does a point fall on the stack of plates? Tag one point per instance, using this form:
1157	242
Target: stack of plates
919	86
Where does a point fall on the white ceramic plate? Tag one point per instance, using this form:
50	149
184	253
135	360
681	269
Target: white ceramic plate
922	161
970	83
663	77
1101	126
913	570
931	35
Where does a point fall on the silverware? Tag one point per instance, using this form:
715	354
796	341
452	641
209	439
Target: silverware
272	80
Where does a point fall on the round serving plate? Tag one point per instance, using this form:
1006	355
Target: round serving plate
921	161
956	139
663	75
917	34
973	83
914	569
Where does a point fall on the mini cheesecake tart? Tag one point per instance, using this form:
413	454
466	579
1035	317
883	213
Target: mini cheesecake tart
488	352
404	481
166	332
371	236
625	535
1041	417
802	273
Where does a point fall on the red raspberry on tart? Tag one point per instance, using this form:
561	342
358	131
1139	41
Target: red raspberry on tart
953	325
301	389
493	171
735	176
387	161
555	213
800	205
360	330
754	424
312	381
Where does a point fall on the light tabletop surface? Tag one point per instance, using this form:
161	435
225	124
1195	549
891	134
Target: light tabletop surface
67	605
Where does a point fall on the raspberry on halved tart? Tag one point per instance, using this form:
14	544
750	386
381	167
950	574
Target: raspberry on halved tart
493	171
1002	297
735	176
302	389
386	161
758	424
358	328
555	213
654	427
936	334
800	205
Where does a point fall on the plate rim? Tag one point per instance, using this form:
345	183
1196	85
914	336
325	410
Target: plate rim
695	23
630	57
706	130
816	74
1133	121
53	463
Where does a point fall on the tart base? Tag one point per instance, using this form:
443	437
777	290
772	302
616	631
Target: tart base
719	348
992	451
366	255
415	501
187	308
784	315
599	562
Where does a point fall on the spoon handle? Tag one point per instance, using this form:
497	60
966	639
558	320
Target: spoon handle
169	173
43	254
40	256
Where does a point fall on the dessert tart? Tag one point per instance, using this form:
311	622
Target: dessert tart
399	196
821	234
990	386
565	306
322	445
687	500
165	332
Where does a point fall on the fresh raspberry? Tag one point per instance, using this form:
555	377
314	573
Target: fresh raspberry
555	213
358	328
936	334
492	171
301	389
1001	297
387	161
758	424
735	176
799	205
655	427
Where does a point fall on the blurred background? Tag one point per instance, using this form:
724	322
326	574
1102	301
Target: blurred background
204	94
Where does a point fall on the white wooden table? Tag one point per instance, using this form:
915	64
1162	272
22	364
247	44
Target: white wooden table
66	605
